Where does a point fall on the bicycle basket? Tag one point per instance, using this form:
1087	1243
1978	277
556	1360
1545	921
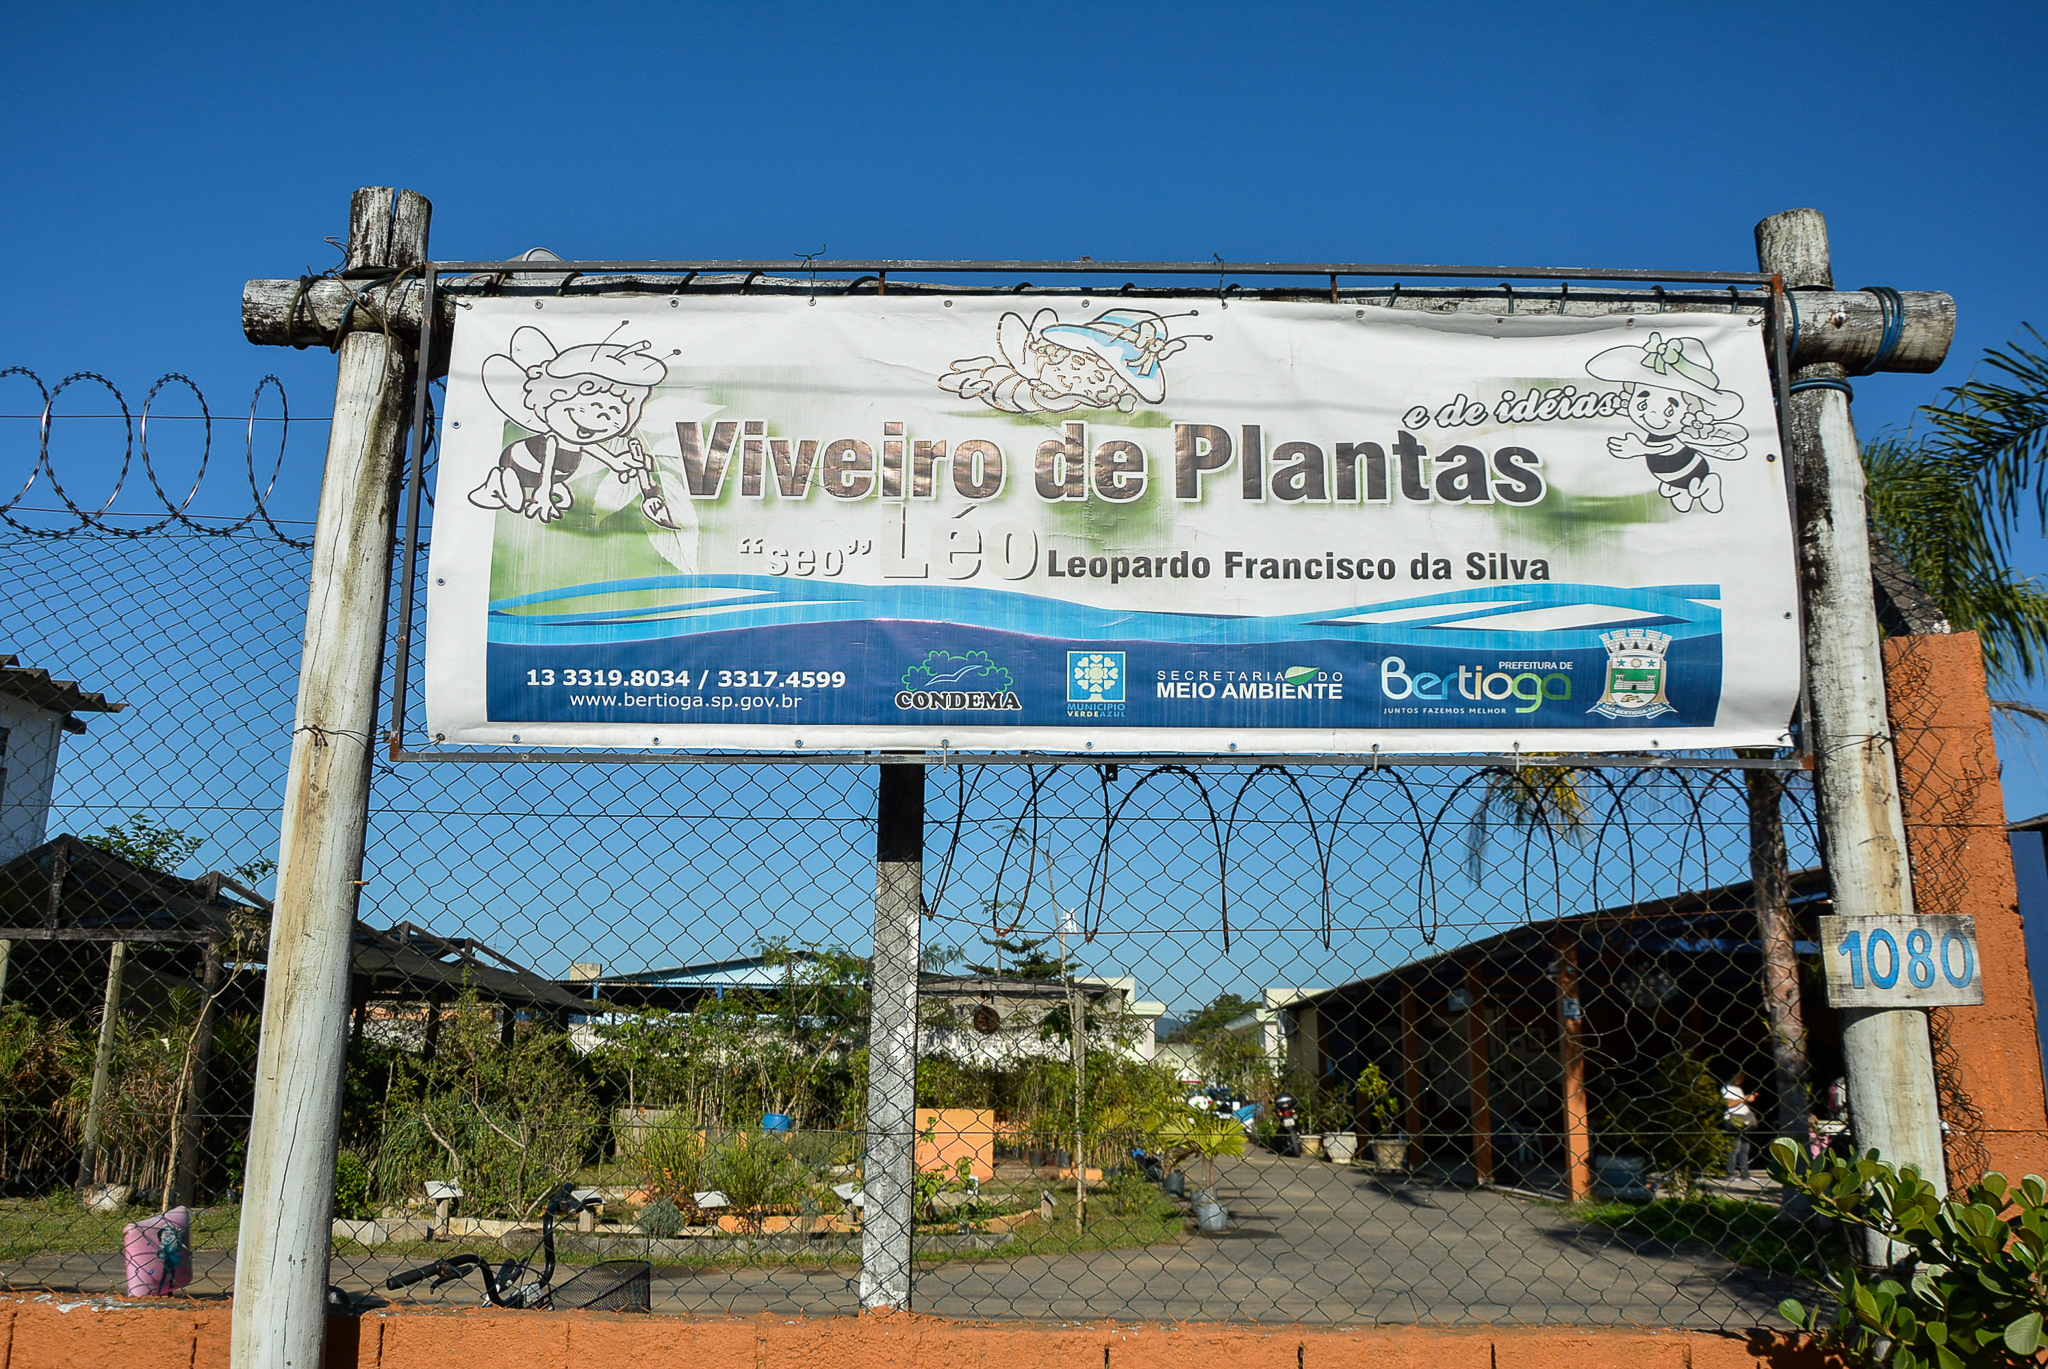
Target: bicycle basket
614	1286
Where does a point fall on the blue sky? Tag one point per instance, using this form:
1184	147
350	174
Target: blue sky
161	155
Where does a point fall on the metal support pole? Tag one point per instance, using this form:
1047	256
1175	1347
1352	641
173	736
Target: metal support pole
889	1181
281	1269
1889	1061
102	1063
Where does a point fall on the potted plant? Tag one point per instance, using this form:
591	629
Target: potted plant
1666	1121
1378	1105
1340	1143
1205	1136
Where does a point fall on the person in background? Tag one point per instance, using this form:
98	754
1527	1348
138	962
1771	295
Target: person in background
1739	1118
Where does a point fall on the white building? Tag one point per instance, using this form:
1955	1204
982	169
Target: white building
985	1020
35	713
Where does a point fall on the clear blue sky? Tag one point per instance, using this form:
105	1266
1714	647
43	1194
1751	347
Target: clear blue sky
161	155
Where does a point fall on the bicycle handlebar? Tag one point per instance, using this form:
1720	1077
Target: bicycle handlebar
406	1278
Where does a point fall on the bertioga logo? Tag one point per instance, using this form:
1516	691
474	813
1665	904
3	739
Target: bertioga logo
943	680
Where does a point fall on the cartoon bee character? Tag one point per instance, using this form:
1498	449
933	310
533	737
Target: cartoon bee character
1678	408
578	401
1045	366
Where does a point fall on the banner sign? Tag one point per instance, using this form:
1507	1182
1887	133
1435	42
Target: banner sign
1106	526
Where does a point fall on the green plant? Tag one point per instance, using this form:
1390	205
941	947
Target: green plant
1188	1135
1973	1288
662	1220
351	1187
1670	1115
1378	1104
506	1122
755	1171
670	1160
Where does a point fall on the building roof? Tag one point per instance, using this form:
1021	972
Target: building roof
1805	886
69	890
747	972
38	688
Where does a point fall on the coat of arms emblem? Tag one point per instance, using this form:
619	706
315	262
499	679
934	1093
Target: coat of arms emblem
1636	675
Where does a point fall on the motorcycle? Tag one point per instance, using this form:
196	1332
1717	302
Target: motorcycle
1287	1118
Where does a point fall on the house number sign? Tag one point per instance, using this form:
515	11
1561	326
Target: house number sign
1901	962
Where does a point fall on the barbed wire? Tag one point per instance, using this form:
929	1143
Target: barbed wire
140	468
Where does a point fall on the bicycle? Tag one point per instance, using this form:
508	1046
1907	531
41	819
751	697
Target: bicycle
612	1286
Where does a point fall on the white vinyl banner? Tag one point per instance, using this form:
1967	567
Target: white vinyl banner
1094	526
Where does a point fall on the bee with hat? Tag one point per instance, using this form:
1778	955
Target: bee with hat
577	402
1679	412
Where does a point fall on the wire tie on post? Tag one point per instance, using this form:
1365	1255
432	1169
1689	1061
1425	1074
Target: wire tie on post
1892	309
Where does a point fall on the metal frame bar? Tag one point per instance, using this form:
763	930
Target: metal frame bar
415	487
800	266
1372	760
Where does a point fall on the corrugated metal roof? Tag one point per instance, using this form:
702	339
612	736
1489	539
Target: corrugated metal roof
58	696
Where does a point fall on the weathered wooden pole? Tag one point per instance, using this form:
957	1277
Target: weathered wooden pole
102	1062
192	1120
1890	1064
281	1265
889	1181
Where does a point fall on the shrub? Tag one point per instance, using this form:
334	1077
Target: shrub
1973	1289
670	1160
1671	1115
755	1171
506	1122
662	1220
352	1187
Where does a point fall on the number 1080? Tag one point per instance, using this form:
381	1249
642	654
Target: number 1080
1876	961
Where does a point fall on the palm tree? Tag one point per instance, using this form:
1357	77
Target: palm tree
1949	504
1536	798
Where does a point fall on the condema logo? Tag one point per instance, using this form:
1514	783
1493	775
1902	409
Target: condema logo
1475	684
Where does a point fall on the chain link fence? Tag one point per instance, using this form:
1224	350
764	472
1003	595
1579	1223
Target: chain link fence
1406	1043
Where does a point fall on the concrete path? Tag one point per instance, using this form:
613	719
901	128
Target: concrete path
1310	1243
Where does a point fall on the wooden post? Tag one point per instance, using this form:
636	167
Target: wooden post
889	1181
1571	1023
192	1120
6	960
1890	1062
1411	1070
102	1063
431	1046
280	1307
1479	1058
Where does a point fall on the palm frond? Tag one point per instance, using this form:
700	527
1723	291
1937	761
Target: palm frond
1996	430
1950	504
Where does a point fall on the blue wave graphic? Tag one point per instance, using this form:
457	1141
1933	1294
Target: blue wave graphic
726	603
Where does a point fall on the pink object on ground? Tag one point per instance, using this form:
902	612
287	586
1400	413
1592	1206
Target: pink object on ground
159	1253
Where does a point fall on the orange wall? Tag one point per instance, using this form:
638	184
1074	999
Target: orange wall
1962	863
945	1136
49	1332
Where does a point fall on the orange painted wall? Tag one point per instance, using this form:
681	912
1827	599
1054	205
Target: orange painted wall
52	1332
1962	863
945	1136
